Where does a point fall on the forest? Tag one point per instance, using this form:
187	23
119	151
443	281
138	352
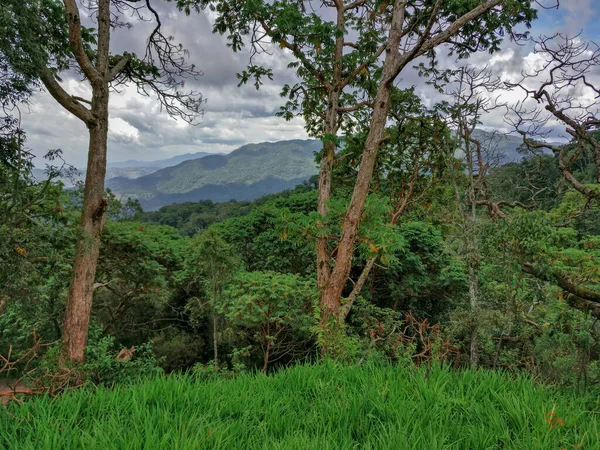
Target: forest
418	292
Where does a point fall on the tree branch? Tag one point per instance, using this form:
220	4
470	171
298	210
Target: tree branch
119	67
577	296
347	306
76	41
67	101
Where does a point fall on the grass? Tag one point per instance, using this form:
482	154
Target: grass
310	407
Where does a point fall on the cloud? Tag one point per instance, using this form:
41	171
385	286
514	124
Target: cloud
139	129
579	13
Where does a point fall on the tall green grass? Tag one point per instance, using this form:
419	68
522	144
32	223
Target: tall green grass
311	407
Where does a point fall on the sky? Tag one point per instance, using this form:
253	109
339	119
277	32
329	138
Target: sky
234	116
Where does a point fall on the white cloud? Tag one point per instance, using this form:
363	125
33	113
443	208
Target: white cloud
119	129
502	57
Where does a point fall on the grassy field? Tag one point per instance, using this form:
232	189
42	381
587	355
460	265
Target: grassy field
311	407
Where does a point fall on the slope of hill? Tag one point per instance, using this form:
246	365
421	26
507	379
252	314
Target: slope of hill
499	147
244	174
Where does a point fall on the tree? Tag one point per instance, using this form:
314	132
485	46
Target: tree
565	70
470	101
43	38
275	308
350	63
211	263
563	90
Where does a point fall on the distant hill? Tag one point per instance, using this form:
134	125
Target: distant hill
244	174
130	168
504	148
160	163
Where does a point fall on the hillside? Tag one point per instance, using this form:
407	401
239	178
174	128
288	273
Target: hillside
244	174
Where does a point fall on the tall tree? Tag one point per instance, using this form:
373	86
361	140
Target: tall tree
211	263
348	56
45	37
470	93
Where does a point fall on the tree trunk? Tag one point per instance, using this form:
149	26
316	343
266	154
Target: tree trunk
215	337
473	296
330	130
470	230
325	174
87	249
331	297
267	350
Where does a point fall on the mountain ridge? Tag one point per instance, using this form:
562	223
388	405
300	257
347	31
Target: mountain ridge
159	163
246	173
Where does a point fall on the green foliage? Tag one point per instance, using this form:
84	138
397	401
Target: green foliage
211	262
192	218
264	239
274	311
35	245
537	176
102	367
424	276
137	271
178	349
33	34
373	406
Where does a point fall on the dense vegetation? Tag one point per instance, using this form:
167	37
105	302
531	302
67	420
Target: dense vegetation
245	274
383	407
407	296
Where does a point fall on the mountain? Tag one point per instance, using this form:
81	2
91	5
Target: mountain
160	163
129	169
498	146
244	174
502	148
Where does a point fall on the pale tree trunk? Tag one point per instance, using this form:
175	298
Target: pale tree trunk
215	337
267	350
216	294
473	297
469	230
87	249
325	174
473	267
